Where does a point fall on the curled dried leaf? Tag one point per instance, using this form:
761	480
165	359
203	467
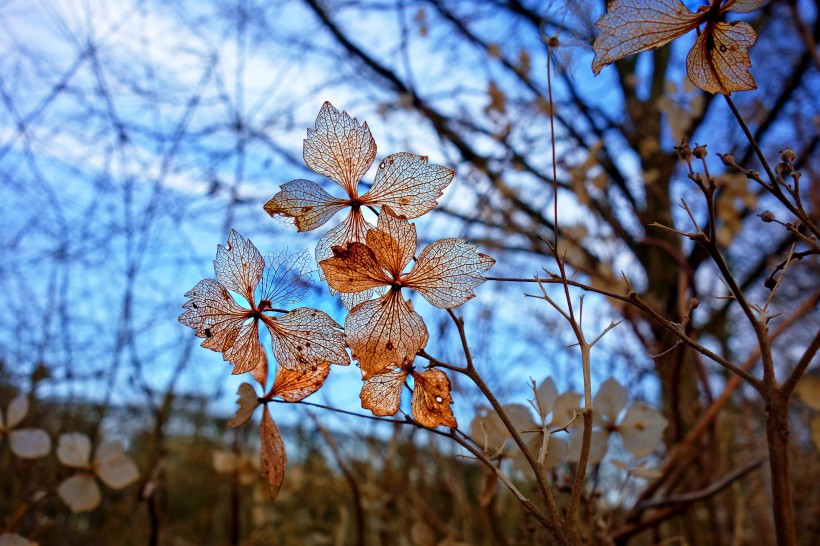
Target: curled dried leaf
291	386
273	453
248	402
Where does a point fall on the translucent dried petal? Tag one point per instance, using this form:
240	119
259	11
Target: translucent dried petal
353	229
566	406
393	242
30	443
113	466
597	448
547	396
447	271
381	392
641	429
260	372
239	265
384	332
719	61
741	6
632	26
305	338
17	411
80	492
306	202
354	268
248	402
213	314
246	352
292	387
431	399
408	184
287	277
273	453
339	148
556	452
487	427
609	401
74	450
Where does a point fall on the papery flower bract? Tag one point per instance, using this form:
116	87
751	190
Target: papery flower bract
387	331
430	404
343	150
717	63
116	469
26	443
290	386
301	339
640	429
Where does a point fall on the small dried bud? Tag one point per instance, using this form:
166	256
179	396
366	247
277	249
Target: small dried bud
787	155
553	42
783	170
684	151
693	303
728	159
699	151
770	283
767	216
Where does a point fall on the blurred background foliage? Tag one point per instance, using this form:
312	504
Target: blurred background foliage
135	134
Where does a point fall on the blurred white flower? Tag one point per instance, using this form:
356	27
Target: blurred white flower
640	429
116	469
26	443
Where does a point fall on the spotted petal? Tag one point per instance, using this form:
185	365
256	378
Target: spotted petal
408	184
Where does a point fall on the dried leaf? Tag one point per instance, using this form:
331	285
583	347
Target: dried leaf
292	386
273	453
431	399
305	338
408	184
719	61
239	265
339	148
384	332
381	392
306	202
393	242
632	26
287	277
248	402
447	271
354	268
80	492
